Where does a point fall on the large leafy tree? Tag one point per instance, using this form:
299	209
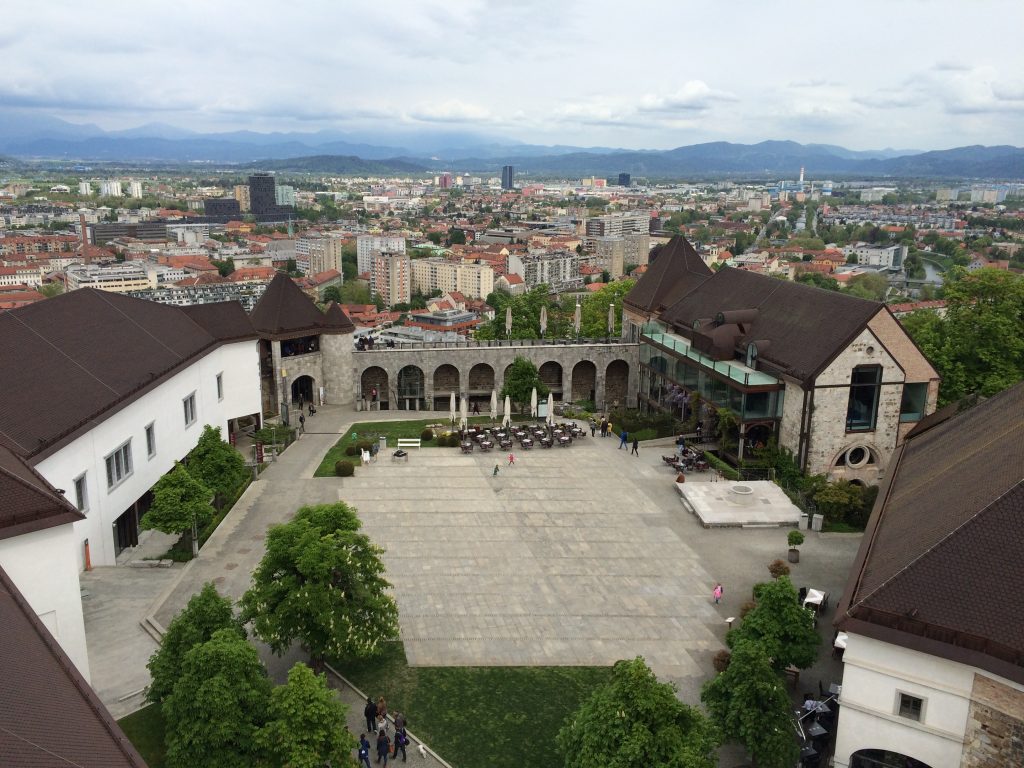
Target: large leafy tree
520	379
749	702
180	503
979	345
205	613
321	582
215	712
525	316
780	626
594	309
633	721
217	464
306	727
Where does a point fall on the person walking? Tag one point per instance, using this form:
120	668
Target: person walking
680	445
364	751
636	448
511	459
593	427
604	427
401	740
302	423
496	470
370	713
623	438
383	746
718	592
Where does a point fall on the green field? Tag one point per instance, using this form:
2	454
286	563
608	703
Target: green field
145	730
502	717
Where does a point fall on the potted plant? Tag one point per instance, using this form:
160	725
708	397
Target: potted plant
796	538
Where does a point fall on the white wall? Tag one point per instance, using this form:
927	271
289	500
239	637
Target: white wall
163	406
42	565
874	672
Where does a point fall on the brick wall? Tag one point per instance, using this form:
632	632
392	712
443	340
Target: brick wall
994	737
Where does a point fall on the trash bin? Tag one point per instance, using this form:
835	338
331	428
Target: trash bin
816	522
805	522
383	443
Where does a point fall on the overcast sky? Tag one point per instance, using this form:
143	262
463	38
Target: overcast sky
908	74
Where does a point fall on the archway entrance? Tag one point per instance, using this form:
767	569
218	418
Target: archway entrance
882	758
551	374
584	381
374	386
446	381
411	389
616	384
302	390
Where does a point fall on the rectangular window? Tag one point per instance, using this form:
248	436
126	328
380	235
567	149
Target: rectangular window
190	409
862	409
81	494
150	440
119	465
912	403
910	707
220	386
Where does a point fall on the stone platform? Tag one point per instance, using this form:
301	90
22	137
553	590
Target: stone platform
739	503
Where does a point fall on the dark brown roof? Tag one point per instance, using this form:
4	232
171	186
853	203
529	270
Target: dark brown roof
806	326
49	716
224	320
284	311
676	271
69	360
335	317
29	502
940	569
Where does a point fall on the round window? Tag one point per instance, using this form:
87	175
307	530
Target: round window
857	456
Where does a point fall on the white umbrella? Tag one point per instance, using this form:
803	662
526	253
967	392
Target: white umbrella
464	408
508	321
576	318
611	318
508	412
543	320
494	405
551	408
451	408
533	402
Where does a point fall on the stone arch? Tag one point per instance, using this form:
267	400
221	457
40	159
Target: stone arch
372	378
446	379
410	388
303	390
616	383
551	375
883	758
584	381
481	378
858	456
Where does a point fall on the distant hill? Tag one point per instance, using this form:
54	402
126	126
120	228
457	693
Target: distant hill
341	164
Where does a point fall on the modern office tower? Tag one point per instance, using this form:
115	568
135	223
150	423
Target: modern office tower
262	194
624	179
508	177
222	206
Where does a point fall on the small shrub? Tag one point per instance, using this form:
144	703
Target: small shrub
351	450
344	468
795	538
778	568
721	661
427	435
364	445
747	607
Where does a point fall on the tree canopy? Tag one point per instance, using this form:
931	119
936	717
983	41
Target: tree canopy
218	705
634	721
180	503
749	702
779	625
321	582
818	280
594	309
868	286
216	464
520	380
306	726
206	612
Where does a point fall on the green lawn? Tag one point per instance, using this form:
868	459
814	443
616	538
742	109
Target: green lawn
145	730
372	430
502	717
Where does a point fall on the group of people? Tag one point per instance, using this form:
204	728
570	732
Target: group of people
377	722
603	424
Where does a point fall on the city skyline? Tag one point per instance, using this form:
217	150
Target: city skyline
599	74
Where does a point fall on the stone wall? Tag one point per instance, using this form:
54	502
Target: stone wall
994	737
337	369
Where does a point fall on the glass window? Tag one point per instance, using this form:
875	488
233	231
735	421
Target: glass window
190	409
757	405
862	409
81	493
220	386
150	440
912	403
119	465
910	707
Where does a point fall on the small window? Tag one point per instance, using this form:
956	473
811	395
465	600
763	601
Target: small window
81	494
150	440
119	465
190	409
910	707
220	386
912	402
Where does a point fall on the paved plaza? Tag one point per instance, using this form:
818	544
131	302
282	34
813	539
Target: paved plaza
579	555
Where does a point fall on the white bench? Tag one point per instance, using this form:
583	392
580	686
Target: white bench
406	443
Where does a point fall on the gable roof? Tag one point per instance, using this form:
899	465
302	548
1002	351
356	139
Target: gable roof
939	568
284	311
806	326
49	714
676	271
29	502
67	361
224	320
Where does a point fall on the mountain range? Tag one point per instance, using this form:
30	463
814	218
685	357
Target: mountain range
29	136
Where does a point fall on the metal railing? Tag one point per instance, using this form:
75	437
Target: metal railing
498	343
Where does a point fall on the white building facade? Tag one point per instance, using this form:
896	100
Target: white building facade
369	245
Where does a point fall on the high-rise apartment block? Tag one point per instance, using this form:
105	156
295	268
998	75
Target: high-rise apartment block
135	189
84	188
444	181
560	270
242	196
618	224
284	195
390	278
369	245
318	253
474	281
508	177
110	189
